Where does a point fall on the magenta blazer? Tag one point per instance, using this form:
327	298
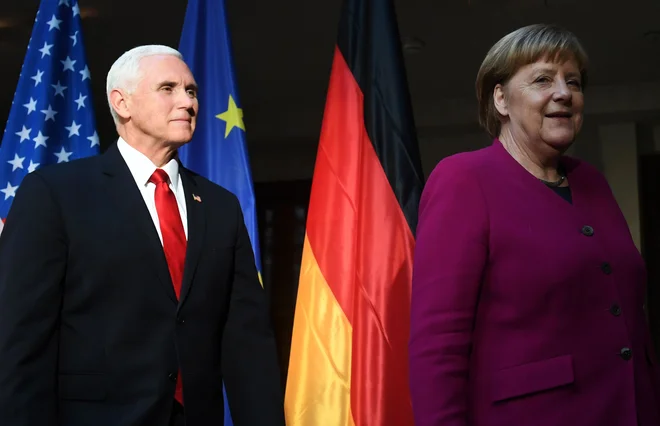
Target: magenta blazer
527	310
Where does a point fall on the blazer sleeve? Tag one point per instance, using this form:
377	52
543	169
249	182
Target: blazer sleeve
249	356
450	256
32	266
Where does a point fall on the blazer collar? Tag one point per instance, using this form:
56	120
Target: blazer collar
131	209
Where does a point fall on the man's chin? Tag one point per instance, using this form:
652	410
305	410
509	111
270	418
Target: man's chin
180	140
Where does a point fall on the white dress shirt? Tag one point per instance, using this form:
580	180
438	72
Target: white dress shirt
142	168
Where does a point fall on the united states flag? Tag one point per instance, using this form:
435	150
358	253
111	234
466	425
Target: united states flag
51	118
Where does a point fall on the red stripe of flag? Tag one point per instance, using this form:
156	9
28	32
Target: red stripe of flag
360	230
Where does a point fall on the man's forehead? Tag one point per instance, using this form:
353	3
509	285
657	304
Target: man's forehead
166	69
172	78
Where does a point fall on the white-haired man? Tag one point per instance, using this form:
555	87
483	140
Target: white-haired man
128	289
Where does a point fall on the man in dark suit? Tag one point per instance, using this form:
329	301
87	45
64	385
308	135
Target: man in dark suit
128	288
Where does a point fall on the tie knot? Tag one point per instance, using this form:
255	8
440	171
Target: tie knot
159	176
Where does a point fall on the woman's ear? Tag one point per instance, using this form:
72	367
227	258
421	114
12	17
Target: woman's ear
500	101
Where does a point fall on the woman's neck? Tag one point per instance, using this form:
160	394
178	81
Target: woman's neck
542	165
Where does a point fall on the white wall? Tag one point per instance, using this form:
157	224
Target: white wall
618	147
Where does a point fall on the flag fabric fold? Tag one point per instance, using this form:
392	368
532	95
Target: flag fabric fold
348	362
51	119
218	150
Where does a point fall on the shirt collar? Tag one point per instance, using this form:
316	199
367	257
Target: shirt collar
141	166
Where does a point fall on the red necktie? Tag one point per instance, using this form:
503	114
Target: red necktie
174	240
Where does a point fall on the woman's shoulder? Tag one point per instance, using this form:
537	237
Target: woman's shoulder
463	163
581	169
458	176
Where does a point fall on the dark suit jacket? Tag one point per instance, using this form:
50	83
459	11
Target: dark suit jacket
90	329
527	310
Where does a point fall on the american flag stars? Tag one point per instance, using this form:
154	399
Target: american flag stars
51	120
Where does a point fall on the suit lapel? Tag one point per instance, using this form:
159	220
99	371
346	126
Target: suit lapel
196	229
130	209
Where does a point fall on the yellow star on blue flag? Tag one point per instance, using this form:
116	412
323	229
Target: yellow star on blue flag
218	150
233	117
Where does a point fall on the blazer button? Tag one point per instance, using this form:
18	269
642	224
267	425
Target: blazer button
587	230
606	268
615	310
626	354
180	320
172	377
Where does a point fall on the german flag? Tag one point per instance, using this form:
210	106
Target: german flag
348	363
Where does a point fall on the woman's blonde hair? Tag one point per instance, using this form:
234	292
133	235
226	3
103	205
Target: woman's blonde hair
515	50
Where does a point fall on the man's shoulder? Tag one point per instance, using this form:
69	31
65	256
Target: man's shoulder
62	180
210	188
73	174
74	169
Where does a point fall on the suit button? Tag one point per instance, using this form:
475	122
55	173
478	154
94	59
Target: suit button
615	310
626	354
172	377
606	268
587	230
180	320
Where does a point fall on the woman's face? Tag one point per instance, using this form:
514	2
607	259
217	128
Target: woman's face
542	102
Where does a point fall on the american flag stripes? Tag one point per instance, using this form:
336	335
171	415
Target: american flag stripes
51	118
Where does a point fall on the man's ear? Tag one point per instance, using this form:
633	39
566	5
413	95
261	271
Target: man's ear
500	100
119	102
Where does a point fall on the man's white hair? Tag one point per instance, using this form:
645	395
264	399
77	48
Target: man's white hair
125	73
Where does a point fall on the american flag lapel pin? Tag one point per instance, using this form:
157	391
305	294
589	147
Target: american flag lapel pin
197	198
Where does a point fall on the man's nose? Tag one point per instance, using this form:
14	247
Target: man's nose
185	100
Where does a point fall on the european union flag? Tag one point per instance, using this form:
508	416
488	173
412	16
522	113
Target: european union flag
218	150
51	119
